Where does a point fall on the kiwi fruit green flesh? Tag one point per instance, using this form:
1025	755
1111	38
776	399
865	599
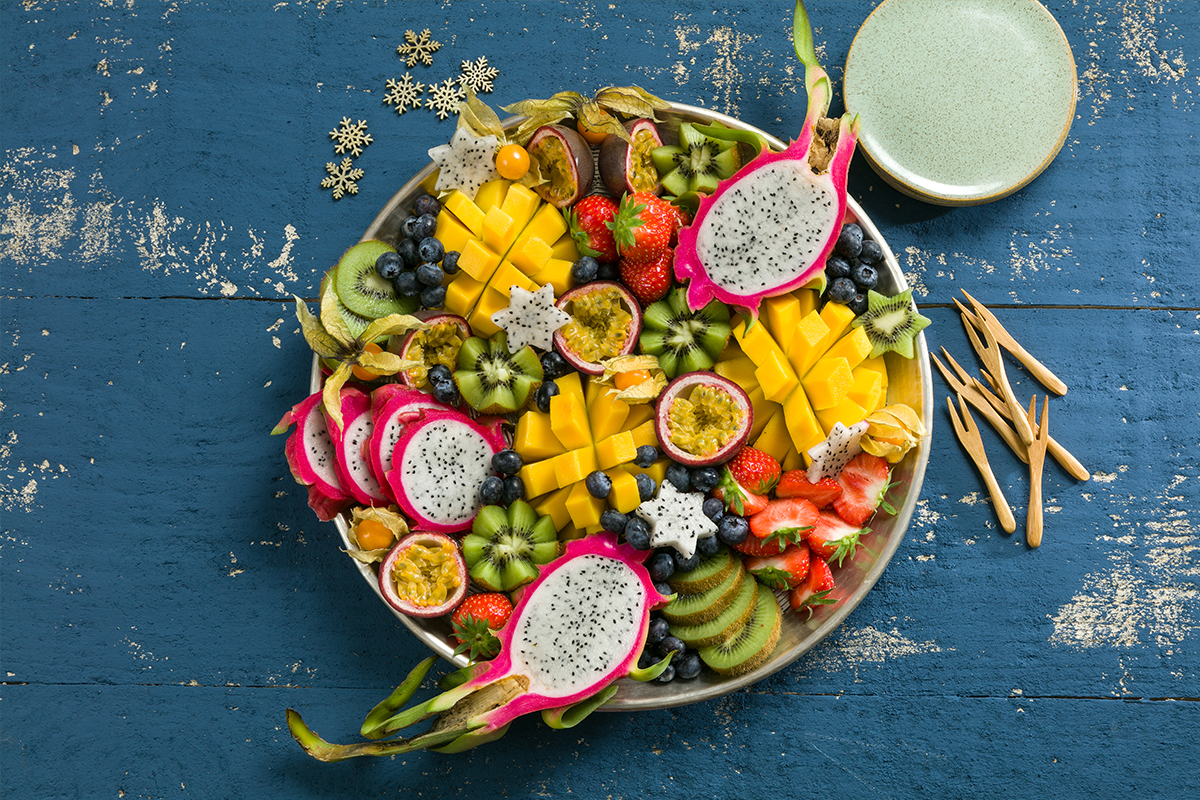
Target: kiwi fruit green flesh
751	644
725	624
505	547
356	323
494	381
359	287
692	609
684	340
708	573
697	163
891	323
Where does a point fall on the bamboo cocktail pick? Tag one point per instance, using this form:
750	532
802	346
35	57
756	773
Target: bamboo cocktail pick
968	434
964	385
1059	453
1036	368
990	355
1037	457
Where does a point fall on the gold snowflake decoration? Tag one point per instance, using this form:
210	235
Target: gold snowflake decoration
350	136
445	97
478	75
341	178
418	48
403	93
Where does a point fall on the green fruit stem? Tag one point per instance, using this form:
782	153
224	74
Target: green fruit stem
820	88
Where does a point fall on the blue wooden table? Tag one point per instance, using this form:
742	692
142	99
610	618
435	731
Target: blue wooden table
167	593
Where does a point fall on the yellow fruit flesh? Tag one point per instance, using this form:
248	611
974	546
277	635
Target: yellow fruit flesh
705	421
436	345
425	576
599	324
554	160
645	176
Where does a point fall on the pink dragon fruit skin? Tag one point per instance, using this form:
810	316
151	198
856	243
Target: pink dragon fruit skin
768	229
349	446
391	406
310	457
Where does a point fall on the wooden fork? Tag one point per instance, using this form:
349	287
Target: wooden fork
1059	453
968	434
1036	368
964	385
1037	457
992	359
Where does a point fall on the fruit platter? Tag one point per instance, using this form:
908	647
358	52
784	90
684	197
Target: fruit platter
617	403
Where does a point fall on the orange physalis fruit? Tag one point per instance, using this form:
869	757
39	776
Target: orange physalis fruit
362	373
512	162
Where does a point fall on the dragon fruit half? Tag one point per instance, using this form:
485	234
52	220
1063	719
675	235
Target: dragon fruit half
768	229
577	628
310	456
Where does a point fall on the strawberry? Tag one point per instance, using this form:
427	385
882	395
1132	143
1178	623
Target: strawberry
788	521
683	219
648	280
754	469
642	227
756	547
588	222
795	483
814	591
864	483
475	619
787	570
737	498
833	538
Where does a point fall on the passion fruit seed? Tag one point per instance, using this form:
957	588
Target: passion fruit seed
599	324
705	421
425	576
373	535
438	344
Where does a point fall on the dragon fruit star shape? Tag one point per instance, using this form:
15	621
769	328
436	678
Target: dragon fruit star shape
531	318
676	519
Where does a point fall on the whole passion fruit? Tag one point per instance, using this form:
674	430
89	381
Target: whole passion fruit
424	575
605	322
565	160
702	419
437	344
626	167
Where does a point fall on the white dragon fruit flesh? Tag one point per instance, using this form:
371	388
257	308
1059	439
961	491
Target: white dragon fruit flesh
578	628
392	405
349	448
769	228
466	163
310	456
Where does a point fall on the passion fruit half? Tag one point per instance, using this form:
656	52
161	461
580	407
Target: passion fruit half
605	322
626	167
424	575
565	159
702	419
437	344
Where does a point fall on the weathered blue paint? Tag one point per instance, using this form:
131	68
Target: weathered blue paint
167	593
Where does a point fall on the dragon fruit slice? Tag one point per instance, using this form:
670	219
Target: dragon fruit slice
577	628
310	456
437	465
768	229
349	449
392	405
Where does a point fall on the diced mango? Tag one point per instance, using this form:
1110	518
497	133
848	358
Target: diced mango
605	412
520	203
462	294
557	273
624	495
491	194
478	260
807	298
571	384
616	449
803	350
763	407
465	210
782	313
657	470
846	412
530	254
793	460
508	276
574	466
570	532
770	411
827	383
639	414
554	506
568	420
481	319
499	230
866	388
644	434
776	377
837	318
539	477
534	439
547	224
802	422
757	342
452	233
584	509
774	438
566	249
739	369
854	346
877	364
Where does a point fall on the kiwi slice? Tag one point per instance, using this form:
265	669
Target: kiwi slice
692	609
356	323
722	626
505	547
359	287
697	163
891	323
708	573
684	340
493	380
750	644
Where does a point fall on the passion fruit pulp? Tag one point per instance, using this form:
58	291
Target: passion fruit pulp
424	575
565	160
437	344
626	167
702	419
605	322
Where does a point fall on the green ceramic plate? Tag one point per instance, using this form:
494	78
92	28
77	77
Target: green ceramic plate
961	101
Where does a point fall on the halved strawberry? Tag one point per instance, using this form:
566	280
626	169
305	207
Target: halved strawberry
756	547
795	483
643	225
787	570
648	280
833	539
588	224
754	469
814	591
737	498
789	521
864	483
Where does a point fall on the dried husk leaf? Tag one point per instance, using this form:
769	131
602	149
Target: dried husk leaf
389	517
891	452
331	317
618	364
386	363
596	118
646	391
903	415
392	325
632	101
643	392
331	394
479	117
315	334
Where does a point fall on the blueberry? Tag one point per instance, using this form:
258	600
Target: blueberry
871	252
688	667
646	659
431	250
708	546
439	373
670	643
842	290
686	564
446	392
667	675
864	276
554	365
450	262
425	226
426	204
608	272
598	484
647	486
507	462
491	491
406	284
660	566
407	250
514	490
433	297
858	305
541	398
849	242
388	265
584	270
637	535
613	521
733	529
408	226
714	508
837	267
705	479
679	476
658	630
663	588
647	454
430	274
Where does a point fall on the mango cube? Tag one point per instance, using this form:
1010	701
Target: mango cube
657	470
616	449
776	377
565	249
802	424
644	434
554	506
574	466
568	420
547	224
807	337
534	439
774	438
854	347
827	382
462	294
624	496
508	276
478	260
491	194
866	389
557	273
606	413
452	233
584	509
782	313
739	369
539	477
465	210
530	254
846	412
520	203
